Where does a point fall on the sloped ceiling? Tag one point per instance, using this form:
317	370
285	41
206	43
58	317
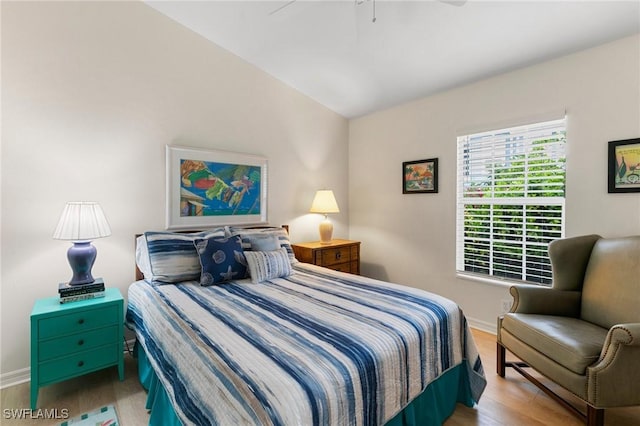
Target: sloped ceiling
333	51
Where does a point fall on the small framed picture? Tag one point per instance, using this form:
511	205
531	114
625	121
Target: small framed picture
624	165
420	176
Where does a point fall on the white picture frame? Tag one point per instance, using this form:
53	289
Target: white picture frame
209	188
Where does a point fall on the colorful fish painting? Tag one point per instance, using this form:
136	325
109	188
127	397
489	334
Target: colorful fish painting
218	189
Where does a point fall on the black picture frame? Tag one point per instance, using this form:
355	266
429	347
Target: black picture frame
420	176
624	166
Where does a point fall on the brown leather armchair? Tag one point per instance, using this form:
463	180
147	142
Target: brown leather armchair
583	333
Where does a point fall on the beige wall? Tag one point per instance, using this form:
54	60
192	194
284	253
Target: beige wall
91	94
410	239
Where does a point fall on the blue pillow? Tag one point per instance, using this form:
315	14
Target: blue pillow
221	260
249	235
265	243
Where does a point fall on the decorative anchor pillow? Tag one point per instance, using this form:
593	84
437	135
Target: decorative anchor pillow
221	260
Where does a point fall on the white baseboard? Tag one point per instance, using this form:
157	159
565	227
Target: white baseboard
489	327
13	378
23	375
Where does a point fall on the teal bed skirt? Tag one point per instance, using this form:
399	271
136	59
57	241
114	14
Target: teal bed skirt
431	407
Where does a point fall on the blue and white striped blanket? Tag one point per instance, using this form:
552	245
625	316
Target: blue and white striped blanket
316	348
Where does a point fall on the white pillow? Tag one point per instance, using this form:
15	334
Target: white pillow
266	265
142	256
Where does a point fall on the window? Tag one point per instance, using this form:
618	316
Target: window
510	204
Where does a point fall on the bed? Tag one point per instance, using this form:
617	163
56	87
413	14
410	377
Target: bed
294	343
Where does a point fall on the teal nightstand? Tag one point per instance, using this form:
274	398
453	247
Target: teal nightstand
72	339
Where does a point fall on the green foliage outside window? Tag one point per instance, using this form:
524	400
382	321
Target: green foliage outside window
509	238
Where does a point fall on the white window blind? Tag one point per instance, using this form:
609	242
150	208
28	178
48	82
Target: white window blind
510	204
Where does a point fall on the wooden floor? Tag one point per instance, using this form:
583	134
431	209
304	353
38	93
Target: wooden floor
508	401
515	401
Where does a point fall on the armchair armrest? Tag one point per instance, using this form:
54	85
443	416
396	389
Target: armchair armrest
614	380
622	334
533	299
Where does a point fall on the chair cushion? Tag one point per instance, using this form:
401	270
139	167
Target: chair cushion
571	342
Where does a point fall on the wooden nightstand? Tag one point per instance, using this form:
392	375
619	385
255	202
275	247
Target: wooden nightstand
340	255
72	339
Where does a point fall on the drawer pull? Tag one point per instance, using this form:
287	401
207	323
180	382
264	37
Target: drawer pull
81	321
80	342
80	363
338	255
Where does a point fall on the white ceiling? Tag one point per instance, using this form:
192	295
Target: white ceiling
333	52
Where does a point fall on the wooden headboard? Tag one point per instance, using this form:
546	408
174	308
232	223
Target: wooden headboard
139	276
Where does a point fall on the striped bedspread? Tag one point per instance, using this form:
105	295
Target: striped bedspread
315	348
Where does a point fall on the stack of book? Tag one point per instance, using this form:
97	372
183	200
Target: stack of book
73	293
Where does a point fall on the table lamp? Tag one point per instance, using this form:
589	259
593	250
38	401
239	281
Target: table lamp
82	222
324	202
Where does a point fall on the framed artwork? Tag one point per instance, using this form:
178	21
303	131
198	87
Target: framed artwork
624	165
212	188
420	176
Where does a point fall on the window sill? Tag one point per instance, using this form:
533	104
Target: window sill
487	280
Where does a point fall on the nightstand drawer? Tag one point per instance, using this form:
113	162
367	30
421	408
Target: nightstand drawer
335	255
73	343
79	363
77	322
351	267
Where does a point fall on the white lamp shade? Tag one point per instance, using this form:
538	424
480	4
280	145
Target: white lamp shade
324	202
82	221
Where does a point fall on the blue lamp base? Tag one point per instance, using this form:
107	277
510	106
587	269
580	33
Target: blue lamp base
81	257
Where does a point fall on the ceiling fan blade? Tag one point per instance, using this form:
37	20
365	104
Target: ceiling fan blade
454	2
359	2
289	3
